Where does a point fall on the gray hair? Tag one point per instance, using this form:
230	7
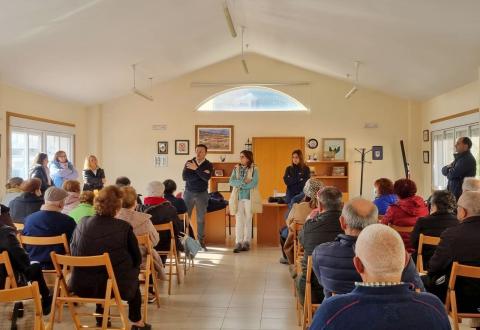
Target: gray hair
471	184
330	198
354	218
470	201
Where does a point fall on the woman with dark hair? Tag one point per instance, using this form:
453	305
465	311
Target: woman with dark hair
61	169
41	171
406	211
442	216
179	203
295	176
104	233
384	196
29	201
244	180
93	174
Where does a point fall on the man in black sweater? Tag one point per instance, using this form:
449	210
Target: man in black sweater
196	173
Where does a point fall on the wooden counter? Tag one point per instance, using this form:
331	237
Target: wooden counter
269	223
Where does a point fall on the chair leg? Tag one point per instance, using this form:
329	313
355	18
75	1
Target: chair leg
170	270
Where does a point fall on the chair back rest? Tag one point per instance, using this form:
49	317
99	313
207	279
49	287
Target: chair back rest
19	226
144	240
23	293
464	271
10	281
165	227
402	229
309	269
426	240
45	241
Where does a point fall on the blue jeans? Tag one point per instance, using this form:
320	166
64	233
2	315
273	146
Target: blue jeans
200	201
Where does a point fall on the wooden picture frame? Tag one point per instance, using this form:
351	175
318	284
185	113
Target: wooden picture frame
162	147
182	147
224	187
217	138
333	149
218	172
426	135
426	157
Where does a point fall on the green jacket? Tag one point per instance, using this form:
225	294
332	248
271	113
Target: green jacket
82	210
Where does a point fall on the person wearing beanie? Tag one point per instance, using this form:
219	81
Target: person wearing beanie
162	211
29	201
49	221
12	190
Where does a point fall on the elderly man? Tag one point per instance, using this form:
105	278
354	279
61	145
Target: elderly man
462	244
463	165
324	227
49	221
471	184
381	300
333	261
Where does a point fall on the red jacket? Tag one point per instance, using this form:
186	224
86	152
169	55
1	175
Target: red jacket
405	213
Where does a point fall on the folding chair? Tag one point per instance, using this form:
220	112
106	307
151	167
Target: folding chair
23	293
297	262
171	254
401	229
62	294
309	308
187	262
424	240
451	301
144	276
10	281
19	226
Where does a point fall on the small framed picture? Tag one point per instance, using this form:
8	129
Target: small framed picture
426	135
377	152
426	157
224	187
182	147
163	147
333	149
218	172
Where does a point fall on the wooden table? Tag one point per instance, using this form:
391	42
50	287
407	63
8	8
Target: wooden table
269	223
214	226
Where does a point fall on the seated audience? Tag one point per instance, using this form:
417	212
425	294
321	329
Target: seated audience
61	169
72	187
298	215
41	171
179	203
460	243
141	224
406	211
123	181
12	190
384	195
20	262
162	212
333	261
29	201
324	227
49	221
5	218
85	208
381	300
93	174
471	184
442	216
103	233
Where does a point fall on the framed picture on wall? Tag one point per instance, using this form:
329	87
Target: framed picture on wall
163	147
426	157
224	187
182	147
218	138
333	149
377	152
426	135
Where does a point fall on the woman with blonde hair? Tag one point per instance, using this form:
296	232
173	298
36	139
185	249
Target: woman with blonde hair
61	169
93	175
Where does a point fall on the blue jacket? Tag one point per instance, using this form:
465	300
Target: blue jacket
197	181
334	269
383	202
179	203
47	223
464	165
378	308
60	174
295	178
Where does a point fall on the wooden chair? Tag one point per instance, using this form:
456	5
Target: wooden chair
144	276
19	226
10	281
187	262
62	294
424	240
297	262
23	293
309	308
401	229
451	301
171	254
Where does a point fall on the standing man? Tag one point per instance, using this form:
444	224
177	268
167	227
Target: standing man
197	173
463	165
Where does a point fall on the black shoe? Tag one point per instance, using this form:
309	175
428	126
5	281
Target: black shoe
283	261
99	322
204	247
238	248
145	327
245	246
47	305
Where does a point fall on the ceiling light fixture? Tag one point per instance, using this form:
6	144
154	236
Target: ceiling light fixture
244	62
136	90
228	17
354	89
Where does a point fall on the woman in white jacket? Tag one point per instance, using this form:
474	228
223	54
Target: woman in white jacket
244	200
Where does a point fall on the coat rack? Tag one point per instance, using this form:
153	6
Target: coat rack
362	162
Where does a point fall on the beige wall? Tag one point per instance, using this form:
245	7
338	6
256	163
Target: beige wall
20	101
129	143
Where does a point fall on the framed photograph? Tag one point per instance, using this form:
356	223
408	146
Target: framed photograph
333	149
426	157
224	187
377	153
218	173
163	147
426	135
182	147
218	138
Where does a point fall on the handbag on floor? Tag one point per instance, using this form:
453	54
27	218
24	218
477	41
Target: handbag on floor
191	246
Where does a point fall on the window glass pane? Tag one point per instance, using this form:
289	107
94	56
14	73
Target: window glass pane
65	146
18	152
437	160
34	146
475	136
461	131
53	145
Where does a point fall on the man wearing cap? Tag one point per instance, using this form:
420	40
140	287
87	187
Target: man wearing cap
49	221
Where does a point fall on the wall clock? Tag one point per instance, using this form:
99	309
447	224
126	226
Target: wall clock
312	143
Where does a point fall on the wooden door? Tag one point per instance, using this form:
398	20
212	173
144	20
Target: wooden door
272	155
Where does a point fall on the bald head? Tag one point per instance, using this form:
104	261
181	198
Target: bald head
359	213
469	204
471	184
379	254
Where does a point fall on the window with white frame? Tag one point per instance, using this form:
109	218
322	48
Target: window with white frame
28	137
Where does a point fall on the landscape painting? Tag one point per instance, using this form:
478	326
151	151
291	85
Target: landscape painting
217	138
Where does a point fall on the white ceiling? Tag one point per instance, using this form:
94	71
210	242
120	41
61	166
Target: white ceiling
83	50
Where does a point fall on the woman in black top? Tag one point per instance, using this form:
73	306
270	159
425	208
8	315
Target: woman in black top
93	175
29	201
295	176
41	171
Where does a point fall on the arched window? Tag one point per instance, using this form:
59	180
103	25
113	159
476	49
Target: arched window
251	98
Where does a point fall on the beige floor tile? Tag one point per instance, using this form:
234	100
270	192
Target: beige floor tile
241	323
